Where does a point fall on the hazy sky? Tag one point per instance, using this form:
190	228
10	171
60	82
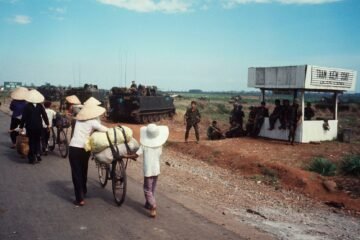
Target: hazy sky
175	44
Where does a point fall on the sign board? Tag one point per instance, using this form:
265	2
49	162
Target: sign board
332	78
11	85
302	77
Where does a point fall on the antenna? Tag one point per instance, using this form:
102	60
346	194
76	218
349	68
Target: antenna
135	67
125	68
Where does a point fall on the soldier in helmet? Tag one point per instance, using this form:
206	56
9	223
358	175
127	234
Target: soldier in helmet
192	118
275	115
295	116
251	120
237	115
285	113
261	113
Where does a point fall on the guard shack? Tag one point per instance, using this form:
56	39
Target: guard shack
298	80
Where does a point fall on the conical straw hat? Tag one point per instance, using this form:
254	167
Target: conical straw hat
34	96
19	93
90	112
73	99
92	102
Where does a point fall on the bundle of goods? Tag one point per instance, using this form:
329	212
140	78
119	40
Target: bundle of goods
22	144
98	141
116	141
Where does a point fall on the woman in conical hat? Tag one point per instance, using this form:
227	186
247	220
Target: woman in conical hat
73	108
92	102
87	121
32	119
152	138
17	107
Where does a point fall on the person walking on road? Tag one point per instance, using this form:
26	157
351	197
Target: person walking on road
32	119
17	107
192	118
87	121
152	138
51	115
73	107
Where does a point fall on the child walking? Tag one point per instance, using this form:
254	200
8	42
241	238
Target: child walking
152	138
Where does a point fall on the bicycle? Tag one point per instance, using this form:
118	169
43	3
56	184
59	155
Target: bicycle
115	171
59	138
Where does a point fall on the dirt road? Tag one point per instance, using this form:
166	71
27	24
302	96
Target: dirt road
36	203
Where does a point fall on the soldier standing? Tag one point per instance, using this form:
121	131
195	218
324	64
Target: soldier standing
275	115
295	116
261	113
251	120
192	118
285	114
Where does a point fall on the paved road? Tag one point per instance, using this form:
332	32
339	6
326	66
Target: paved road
36	203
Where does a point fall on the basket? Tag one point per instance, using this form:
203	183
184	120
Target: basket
22	145
62	121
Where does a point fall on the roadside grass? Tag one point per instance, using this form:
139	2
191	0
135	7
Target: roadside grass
351	165
322	166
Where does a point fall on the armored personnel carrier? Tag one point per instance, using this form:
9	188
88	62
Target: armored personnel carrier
139	105
89	90
50	92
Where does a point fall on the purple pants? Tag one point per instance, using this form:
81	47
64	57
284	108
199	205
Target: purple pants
149	191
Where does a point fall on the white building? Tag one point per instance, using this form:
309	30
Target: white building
298	80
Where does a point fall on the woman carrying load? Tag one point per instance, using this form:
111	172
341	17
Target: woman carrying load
87	121
17	107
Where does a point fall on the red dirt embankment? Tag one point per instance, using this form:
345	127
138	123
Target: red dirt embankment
262	157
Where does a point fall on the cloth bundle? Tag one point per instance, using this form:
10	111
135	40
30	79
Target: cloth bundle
98	140
107	157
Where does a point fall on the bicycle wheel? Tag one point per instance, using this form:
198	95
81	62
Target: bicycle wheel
103	172
52	140
119	182
63	144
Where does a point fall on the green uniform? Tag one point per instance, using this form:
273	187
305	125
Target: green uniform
192	119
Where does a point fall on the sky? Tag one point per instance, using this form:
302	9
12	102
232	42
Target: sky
174	44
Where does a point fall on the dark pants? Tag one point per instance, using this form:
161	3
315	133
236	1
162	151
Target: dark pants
15	122
272	120
196	128
34	136
215	136
45	134
79	160
257	126
292	132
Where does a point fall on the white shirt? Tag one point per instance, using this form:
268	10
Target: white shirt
151	160
51	114
83	130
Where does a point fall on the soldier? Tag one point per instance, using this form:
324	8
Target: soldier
261	113
309	112
285	114
237	115
133	85
251	120
192	118
214	132
235	130
275	115
295	116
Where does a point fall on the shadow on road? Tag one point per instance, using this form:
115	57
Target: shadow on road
13	155
64	190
